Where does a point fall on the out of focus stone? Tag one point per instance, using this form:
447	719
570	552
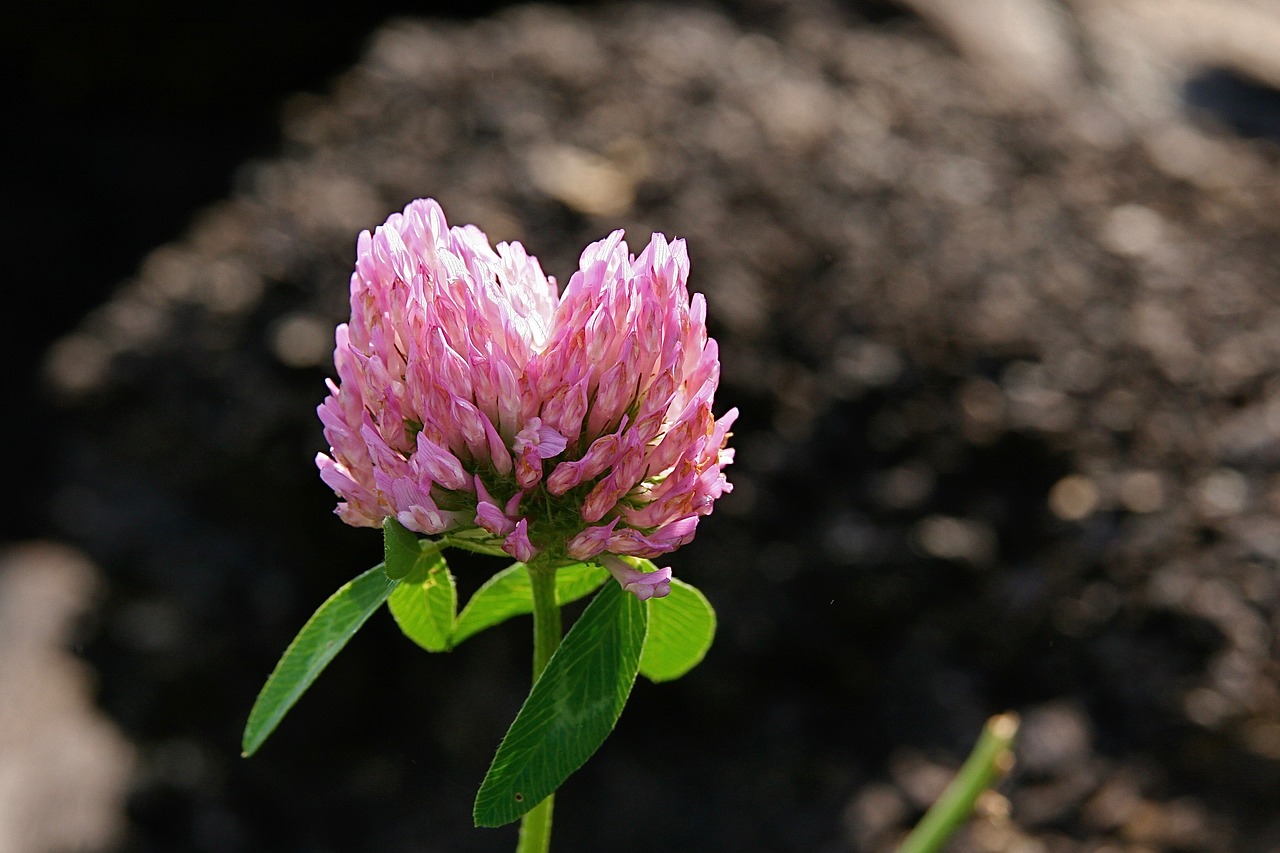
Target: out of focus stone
65	768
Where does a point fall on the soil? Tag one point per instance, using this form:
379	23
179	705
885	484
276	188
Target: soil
1007	361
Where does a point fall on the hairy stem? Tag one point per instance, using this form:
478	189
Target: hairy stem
535	826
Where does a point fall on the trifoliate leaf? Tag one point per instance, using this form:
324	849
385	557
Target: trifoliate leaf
681	627
508	593
571	710
324	635
425	604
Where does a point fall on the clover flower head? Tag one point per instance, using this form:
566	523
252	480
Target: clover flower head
474	400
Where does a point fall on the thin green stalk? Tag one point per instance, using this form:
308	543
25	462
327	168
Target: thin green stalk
991	758
535	826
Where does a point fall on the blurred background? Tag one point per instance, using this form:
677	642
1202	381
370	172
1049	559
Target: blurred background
995	283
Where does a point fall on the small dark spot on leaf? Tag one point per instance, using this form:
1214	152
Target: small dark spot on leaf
519	797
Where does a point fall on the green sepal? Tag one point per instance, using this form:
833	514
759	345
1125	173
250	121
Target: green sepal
508	593
319	641
571	710
476	541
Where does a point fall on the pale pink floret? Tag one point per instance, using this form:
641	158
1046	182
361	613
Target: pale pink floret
590	541
533	444
472	397
644	585
488	515
517	543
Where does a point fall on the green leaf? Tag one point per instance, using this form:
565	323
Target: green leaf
570	711
681	628
508	594
324	635
400	549
426	601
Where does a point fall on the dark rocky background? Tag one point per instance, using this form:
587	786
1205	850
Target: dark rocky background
996	294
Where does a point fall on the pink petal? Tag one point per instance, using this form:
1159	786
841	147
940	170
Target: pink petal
517	544
643	585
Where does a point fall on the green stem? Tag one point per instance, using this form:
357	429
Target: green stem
991	758
535	826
